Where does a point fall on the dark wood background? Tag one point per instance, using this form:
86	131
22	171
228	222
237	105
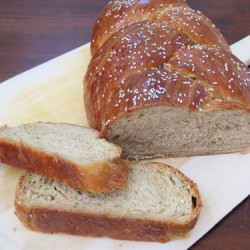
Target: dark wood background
33	32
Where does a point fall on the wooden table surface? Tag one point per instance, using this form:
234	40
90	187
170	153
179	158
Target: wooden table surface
33	32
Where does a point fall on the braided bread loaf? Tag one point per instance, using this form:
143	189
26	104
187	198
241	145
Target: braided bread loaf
163	82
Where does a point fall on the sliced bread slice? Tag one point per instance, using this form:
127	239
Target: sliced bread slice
158	203
68	153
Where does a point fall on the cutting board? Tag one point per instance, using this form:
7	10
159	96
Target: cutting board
53	92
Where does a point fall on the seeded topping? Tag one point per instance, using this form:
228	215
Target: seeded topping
119	14
216	68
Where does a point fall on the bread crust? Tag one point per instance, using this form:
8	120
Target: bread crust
118	14
102	176
52	220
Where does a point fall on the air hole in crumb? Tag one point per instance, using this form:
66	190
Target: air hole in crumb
194	201
116	137
172	180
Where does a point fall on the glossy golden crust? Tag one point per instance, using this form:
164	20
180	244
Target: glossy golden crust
52	220
195	25
224	76
118	14
164	55
99	177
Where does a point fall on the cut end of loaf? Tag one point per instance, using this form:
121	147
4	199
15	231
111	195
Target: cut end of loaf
157	203
174	132
71	154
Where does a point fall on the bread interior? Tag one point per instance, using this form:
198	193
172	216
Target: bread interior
169	131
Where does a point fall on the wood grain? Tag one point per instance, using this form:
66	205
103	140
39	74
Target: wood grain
33	32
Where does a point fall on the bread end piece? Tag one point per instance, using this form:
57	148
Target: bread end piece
103	175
